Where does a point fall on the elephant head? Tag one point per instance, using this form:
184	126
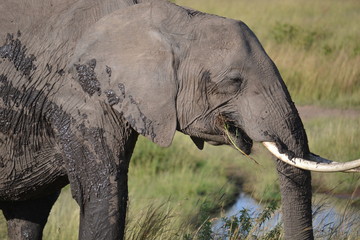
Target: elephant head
168	68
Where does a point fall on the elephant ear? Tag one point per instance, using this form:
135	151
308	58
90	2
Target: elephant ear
134	67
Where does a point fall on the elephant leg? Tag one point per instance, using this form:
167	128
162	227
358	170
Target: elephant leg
295	187
99	184
26	219
103	216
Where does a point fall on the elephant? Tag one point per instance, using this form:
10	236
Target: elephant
80	80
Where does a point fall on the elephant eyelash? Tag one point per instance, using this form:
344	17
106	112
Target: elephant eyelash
229	85
237	79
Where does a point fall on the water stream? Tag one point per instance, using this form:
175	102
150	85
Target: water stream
329	214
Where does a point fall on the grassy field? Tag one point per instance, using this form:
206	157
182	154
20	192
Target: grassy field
316	46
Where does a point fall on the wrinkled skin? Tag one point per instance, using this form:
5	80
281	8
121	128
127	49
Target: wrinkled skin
78	88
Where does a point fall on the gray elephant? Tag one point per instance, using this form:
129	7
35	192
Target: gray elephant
80	79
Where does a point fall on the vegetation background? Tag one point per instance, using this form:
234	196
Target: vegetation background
173	191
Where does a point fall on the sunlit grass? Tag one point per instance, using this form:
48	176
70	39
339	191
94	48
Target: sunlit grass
181	175
64	218
338	139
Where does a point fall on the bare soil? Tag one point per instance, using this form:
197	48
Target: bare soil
310	112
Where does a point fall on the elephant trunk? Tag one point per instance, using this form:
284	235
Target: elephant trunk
295	183
290	147
295	187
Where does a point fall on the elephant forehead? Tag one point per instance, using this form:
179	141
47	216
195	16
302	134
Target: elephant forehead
218	50
220	32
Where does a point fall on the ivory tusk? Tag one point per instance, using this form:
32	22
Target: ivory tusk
315	163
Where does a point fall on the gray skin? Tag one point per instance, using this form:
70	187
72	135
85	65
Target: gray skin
80	80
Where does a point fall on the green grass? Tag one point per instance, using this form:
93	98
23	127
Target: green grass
181	175
338	139
250	225
63	223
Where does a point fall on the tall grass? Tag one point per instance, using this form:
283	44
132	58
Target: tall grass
335	218
248	224
63	223
181	175
315	44
335	138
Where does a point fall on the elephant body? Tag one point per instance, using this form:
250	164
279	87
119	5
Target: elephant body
81	79
36	163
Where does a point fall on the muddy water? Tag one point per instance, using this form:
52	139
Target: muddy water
329	214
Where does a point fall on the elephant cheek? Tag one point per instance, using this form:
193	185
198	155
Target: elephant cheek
259	132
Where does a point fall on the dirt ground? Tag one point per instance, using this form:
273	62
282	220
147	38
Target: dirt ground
309	112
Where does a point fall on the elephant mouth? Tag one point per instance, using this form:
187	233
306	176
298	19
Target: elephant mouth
237	138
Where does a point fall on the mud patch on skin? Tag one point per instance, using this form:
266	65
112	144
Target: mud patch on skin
29	160
89	160
133	115
131	110
8	93
14	51
113	99
61	72
192	13
141	123
108	71
122	89
87	77
17	120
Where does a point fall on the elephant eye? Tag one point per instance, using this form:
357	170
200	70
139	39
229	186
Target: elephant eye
237	79
236	83
229	85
